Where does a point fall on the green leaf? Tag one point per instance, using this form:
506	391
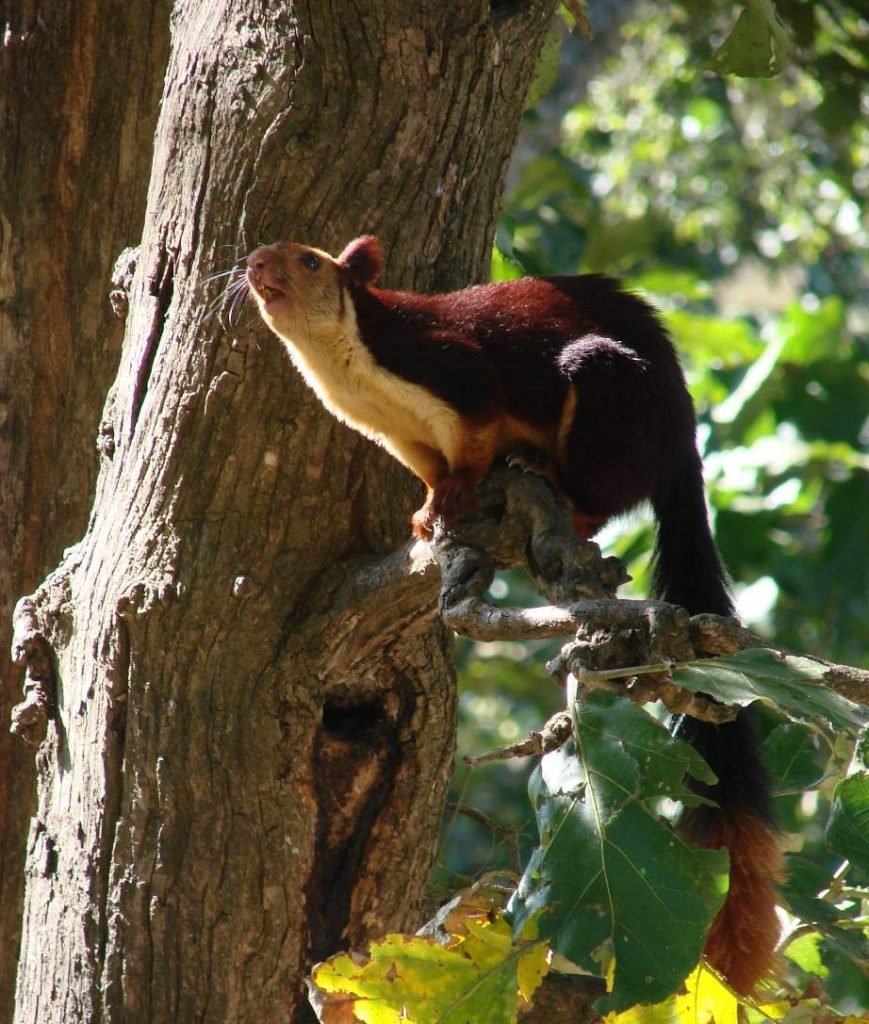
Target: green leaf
759	45
793	755
790	684
804	880
806	953
612	245
814	334
618	892
667	281
708	113
546	70
713	340
848	827
860	760
543	178
480	976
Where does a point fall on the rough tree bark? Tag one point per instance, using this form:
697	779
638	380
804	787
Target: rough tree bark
241	771
75	158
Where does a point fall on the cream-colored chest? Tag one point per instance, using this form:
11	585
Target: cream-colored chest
379	404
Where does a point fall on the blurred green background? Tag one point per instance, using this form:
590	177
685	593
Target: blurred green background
737	205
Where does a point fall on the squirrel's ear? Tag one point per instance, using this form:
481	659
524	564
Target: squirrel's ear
362	260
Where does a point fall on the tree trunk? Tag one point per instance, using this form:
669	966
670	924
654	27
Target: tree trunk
75	160
248	747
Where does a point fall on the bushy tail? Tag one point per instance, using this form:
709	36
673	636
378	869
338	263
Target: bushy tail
742	940
688	572
687	567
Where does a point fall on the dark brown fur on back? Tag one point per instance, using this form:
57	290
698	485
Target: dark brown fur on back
518	346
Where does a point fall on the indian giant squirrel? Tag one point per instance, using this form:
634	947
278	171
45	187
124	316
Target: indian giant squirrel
585	373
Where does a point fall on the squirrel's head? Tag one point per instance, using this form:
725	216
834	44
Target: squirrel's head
302	290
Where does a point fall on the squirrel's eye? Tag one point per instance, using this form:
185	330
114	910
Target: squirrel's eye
310	260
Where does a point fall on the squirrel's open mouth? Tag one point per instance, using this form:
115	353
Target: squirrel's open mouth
267	292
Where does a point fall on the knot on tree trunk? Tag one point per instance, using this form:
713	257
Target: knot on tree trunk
31	649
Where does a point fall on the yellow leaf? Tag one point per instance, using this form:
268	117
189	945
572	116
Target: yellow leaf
661	1013
487	942
531	968
771	1011
493	943
408	979
705	1000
